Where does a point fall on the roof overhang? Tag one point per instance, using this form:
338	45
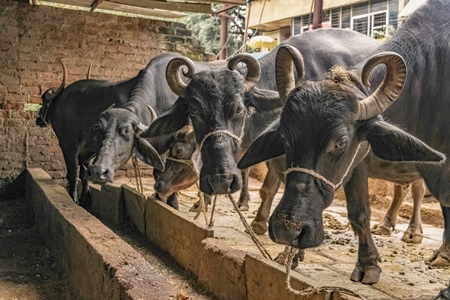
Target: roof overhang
168	9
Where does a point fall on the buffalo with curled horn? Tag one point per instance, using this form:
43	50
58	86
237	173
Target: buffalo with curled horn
332	134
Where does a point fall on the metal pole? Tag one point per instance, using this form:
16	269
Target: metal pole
317	16
223	34
247	20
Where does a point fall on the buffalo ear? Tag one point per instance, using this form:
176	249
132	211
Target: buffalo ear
264	100
390	143
162	142
266	146
172	120
145	152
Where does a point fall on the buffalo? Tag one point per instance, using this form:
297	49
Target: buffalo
73	110
228	111
332	133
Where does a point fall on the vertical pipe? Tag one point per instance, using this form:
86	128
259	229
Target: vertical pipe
223	34
317	16
247	20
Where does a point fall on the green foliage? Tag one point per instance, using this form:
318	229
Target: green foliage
206	28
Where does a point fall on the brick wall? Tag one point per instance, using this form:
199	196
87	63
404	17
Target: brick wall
32	39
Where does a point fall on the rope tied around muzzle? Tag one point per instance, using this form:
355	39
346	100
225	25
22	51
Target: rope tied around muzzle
322	178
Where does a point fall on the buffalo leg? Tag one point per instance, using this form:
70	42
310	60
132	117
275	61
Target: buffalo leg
267	192
245	195
414	232
71	160
84	195
390	219
356	190
441	256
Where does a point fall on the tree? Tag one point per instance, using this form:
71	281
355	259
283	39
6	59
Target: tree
207	29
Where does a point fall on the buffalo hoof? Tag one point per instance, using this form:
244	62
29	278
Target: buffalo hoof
366	274
443	295
381	229
298	257
438	260
412	237
196	207
243	207
259	227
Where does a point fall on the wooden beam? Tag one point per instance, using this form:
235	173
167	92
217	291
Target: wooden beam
95	4
232	2
173	6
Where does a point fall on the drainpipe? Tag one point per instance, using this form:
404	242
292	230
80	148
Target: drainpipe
317	15
223	35
247	20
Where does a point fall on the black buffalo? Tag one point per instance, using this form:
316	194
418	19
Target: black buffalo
327	127
220	105
119	128
73	112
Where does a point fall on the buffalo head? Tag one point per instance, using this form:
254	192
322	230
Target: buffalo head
325	130
179	172
120	131
214	101
48	97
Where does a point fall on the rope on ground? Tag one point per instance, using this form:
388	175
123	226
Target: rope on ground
137	173
291	251
249	229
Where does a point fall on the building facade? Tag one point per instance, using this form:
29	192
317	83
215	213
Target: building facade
281	19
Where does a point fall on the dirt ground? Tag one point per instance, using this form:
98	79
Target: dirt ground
27	269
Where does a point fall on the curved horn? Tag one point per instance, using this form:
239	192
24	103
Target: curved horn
152	113
253	69
52	95
284	72
173	75
389	89
88	75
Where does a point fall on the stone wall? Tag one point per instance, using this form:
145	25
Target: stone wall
33	38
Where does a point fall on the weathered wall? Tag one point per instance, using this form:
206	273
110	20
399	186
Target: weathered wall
32	39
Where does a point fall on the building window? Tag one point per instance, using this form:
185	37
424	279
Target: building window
374	18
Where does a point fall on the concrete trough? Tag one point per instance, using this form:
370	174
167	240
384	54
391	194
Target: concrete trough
100	265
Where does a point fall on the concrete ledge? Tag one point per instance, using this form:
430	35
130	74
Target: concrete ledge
222	270
98	263
102	266
107	202
175	234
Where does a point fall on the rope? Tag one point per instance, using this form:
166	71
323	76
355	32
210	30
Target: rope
184	161
291	251
211	222
139	187
258	244
202	207
323	179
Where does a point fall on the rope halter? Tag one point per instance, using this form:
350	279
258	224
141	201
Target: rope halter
322	178
250	111
188	162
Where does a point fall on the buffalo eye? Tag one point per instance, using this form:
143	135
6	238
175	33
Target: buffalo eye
126	131
341	143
